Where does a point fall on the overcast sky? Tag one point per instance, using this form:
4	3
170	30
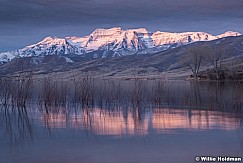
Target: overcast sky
24	22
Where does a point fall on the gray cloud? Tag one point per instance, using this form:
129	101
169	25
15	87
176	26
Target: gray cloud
88	11
31	20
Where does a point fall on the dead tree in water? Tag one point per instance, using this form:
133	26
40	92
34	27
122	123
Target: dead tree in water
83	89
48	91
23	86
6	90
87	89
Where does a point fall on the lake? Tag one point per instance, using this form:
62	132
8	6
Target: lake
119	121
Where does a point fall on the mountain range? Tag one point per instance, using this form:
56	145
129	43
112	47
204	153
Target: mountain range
113	42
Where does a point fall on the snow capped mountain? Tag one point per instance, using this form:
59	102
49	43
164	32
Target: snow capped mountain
161	38
111	42
50	46
114	39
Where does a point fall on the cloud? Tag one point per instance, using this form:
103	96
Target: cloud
32	20
92	11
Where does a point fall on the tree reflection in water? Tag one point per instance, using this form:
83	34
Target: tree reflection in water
16	125
122	108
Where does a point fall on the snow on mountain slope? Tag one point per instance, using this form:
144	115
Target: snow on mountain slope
6	56
111	42
114	39
161	38
229	33
50	46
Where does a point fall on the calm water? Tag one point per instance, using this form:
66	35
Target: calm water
173	123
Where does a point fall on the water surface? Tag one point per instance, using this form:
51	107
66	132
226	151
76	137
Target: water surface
173	123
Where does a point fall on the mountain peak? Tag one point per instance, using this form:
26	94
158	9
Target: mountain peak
48	38
50	41
139	30
109	31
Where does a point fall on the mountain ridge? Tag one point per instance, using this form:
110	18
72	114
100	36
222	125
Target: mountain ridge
111	42
159	64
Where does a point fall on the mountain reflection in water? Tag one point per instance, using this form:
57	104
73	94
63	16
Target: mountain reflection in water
135	121
159	120
117	122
